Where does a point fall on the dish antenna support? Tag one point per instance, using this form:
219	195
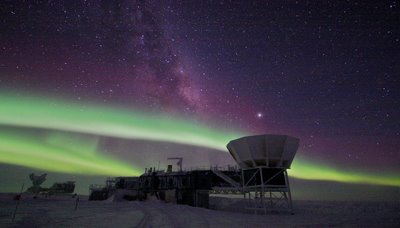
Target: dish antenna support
264	160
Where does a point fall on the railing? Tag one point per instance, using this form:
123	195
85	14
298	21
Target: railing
214	167
204	167
226	178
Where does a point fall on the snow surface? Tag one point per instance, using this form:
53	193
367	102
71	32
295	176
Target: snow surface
58	211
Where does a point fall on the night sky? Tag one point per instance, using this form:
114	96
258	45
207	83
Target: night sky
326	72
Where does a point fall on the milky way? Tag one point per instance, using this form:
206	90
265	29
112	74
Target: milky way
325	72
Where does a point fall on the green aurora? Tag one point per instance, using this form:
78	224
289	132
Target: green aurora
52	153
25	150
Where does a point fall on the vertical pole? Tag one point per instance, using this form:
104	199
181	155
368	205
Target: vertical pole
244	193
180	161
195	198
270	198
289	194
76	203
19	199
262	191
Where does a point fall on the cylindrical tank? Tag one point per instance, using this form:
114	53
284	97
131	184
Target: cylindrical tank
275	151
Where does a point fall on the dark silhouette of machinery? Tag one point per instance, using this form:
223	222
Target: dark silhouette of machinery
56	188
63	187
262	177
36	182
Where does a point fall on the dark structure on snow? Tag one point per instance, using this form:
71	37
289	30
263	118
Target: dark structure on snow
262	177
57	188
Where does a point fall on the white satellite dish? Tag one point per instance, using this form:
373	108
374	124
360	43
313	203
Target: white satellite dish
274	151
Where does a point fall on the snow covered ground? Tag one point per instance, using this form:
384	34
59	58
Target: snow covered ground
60	212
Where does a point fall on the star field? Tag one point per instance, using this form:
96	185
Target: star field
326	72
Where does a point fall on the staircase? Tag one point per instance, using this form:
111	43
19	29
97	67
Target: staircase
227	179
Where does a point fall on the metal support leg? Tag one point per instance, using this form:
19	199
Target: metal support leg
262	192
289	193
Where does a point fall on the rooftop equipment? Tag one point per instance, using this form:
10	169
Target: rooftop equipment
179	163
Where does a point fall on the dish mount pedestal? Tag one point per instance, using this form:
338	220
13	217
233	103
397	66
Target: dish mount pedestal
264	160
